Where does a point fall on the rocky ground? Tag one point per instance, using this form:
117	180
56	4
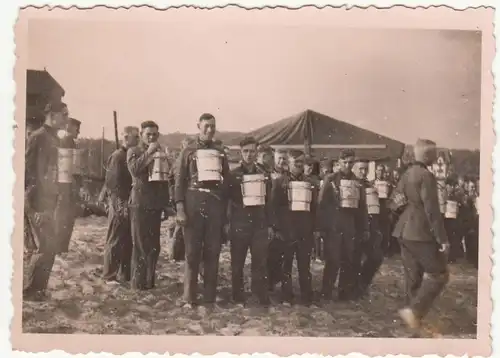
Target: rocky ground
81	302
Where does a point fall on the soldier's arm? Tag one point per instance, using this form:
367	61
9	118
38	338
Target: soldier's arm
276	187
112	172
181	177
137	162
30	168
171	182
429	195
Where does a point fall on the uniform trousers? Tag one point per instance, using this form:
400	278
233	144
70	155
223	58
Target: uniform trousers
118	248
372	254
203	239
298	244
145	228
454	236
44	249
275	261
426	274
247	234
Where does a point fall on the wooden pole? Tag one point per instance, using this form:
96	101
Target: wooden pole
102	153
115	120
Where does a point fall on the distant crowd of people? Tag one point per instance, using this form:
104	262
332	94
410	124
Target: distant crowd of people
279	205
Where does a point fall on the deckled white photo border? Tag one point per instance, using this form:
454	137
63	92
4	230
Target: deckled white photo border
9	13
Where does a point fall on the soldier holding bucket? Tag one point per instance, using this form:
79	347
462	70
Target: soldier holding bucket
371	249
41	192
148	201
276	246
293	220
201	201
340	209
69	198
249	190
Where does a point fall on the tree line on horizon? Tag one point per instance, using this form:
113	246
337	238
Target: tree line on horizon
465	162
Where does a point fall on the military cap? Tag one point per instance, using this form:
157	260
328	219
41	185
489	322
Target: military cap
295	153
346	153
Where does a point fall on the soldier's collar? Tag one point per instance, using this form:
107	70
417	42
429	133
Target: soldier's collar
50	129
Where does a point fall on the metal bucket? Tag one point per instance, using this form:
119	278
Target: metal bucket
161	168
299	196
209	165
451	209
372	201
253	190
349	193
64	165
78	161
382	187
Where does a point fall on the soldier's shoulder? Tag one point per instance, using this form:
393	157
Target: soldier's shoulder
134	150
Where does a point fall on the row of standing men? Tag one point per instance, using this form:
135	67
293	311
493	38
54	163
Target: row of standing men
276	216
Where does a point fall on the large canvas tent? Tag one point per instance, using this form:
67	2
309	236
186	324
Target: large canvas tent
324	136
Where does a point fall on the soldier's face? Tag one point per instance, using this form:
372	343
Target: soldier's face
379	173
346	164
395	175
249	153
335	167
362	171
131	139
266	159
207	129
472	188
150	135
73	130
296	165
308	169
280	160
59	119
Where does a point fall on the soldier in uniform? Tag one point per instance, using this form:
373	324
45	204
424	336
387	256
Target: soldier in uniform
178	247
69	193
420	228
470	226
453	225
148	201
276	249
32	124
371	246
201	210
296	229
248	227
118	247
312	172
41	192
265	157
343	230
384	217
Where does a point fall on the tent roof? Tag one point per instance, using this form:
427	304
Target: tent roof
323	130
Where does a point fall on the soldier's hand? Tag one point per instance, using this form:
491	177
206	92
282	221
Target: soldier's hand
226	228
181	218
445	248
153	147
270	233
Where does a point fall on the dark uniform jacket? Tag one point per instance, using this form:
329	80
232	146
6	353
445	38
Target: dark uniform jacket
118	180
281	218
186	172
145	194
41	187
421	219
330	211
255	215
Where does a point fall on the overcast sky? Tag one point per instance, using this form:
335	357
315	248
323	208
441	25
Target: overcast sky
401	83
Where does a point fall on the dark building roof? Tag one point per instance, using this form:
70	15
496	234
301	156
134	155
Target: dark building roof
41	81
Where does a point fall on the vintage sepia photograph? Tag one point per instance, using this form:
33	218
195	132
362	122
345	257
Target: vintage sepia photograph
242	173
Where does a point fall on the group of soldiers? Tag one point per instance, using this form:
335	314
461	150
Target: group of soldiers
281	206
